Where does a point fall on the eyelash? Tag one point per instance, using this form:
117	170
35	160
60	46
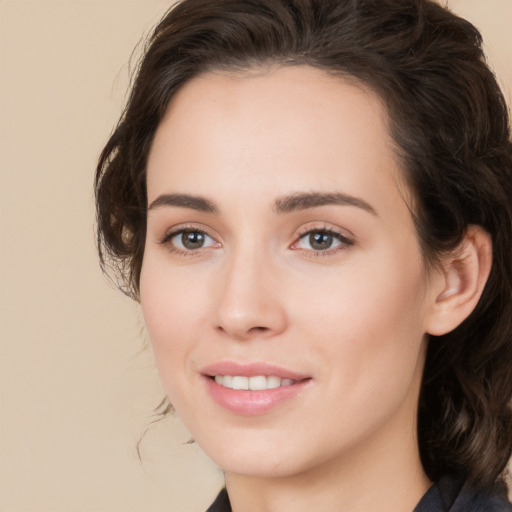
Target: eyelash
344	241
166	240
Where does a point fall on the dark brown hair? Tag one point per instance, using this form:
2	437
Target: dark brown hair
450	125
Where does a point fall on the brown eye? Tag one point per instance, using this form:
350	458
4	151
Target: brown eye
189	240
193	239
320	240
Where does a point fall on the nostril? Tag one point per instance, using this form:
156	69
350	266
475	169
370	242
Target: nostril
258	329
240	332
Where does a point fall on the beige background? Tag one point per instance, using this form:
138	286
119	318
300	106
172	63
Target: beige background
77	386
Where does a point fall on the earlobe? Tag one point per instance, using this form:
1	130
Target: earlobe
460	284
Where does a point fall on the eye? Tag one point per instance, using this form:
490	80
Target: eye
186	240
319	240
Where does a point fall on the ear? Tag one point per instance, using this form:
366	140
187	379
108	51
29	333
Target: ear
460	283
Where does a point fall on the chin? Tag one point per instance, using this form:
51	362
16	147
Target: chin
262	466
256	457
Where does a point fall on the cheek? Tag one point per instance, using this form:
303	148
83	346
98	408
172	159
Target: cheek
368	296
369	323
371	350
173	306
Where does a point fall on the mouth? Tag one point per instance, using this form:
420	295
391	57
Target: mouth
252	389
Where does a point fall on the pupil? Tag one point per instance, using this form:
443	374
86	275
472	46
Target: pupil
320	241
192	239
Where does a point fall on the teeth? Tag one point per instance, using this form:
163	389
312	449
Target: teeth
256	383
273	382
240	382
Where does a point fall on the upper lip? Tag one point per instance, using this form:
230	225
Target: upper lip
251	370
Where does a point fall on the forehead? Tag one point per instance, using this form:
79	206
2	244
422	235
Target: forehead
294	97
294	126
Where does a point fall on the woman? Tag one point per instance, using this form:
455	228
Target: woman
311	201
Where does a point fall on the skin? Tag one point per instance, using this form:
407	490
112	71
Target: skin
354	318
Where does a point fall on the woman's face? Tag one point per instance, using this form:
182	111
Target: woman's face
281	256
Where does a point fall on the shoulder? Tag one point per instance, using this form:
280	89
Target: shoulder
483	502
453	494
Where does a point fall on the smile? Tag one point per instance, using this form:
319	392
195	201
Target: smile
255	383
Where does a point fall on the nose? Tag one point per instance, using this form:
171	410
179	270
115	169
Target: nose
249	301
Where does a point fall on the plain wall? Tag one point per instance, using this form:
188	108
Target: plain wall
77	382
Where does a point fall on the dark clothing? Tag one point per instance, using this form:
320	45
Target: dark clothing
450	494
221	504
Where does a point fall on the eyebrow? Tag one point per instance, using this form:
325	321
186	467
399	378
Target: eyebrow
184	201
306	200
285	204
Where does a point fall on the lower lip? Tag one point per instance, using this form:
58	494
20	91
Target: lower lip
252	403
